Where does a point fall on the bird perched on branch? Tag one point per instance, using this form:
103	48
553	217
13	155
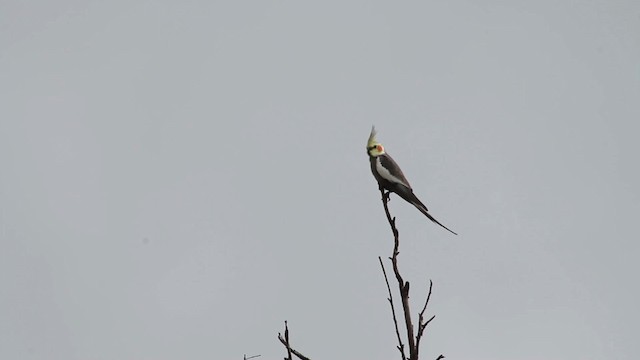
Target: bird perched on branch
391	178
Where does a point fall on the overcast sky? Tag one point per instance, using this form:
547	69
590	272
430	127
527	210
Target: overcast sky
179	178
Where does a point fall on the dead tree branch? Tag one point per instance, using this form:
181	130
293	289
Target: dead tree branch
285	341
403	288
393	312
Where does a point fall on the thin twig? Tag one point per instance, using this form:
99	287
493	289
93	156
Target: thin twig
286	336
421	323
285	341
250	357
393	312
428	297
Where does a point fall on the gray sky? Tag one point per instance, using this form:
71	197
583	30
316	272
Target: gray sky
178	178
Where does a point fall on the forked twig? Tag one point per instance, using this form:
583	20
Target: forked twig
421	323
285	341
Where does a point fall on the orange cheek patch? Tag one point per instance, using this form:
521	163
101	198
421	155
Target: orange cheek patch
379	148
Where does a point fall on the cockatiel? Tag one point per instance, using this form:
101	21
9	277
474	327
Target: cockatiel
391	178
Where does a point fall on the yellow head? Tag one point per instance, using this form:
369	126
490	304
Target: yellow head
374	148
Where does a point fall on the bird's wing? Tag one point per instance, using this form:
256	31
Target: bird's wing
390	171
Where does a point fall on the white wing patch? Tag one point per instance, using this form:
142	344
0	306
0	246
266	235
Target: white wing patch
387	175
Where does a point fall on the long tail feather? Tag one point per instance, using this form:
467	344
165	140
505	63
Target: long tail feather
423	210
408	195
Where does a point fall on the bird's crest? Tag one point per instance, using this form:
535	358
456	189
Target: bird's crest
372	138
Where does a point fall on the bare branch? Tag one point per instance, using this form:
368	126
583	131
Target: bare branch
250	357
285	341
402	285
393	312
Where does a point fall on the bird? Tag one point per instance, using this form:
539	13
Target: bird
390	176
